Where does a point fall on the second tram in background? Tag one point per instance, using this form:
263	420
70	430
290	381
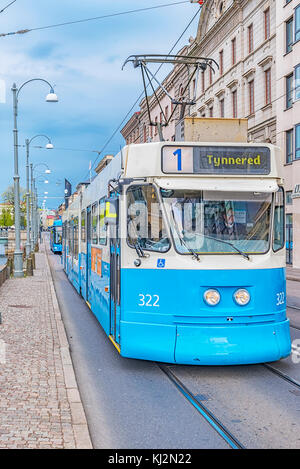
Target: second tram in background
179	250
56	237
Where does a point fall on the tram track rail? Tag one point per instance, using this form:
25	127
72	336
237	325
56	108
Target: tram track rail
213	421
282	375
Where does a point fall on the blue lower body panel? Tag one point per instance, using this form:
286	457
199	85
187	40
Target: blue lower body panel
202	345
235	345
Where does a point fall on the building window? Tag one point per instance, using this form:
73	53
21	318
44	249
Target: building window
288	197
221	62
297	23
289	91
250	38
156	121
268	86
297	142
211	112
297	82
289	139
267	23
222	108
234	104
251	98
145	134
289	35
233	51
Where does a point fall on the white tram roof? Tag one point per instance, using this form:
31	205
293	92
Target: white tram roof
145	161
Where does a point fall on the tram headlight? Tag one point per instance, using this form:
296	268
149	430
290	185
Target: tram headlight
212	297
242	297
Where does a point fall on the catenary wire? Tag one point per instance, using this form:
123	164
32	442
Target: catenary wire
7	6
142	93
95	18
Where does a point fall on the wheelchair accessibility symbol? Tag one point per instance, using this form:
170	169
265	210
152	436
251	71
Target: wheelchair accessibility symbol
161	263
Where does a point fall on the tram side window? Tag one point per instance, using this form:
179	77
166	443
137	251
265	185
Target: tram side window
102	226
83	226
278	236
76	238
95	223
71	233
145	224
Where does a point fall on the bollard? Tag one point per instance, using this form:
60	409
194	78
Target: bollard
29	267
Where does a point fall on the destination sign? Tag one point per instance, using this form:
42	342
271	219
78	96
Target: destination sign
227	160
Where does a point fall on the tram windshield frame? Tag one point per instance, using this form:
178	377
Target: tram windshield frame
58	234
215	222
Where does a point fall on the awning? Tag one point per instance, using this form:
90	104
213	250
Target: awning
223	185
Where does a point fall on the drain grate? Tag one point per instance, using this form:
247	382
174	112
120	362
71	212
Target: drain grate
20	306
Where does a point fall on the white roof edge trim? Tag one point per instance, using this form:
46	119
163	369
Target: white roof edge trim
222	185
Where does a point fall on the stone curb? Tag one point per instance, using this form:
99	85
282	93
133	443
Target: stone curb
79	422
294	279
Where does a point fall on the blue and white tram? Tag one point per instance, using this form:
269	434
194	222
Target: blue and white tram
56	237
179	250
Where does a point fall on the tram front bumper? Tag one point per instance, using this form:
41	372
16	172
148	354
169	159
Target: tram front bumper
206	345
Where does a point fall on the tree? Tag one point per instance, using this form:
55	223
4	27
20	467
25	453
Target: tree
8	197
6	218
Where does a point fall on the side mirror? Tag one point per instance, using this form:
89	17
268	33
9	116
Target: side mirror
111	211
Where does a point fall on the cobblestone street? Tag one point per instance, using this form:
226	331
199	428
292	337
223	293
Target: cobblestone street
40	406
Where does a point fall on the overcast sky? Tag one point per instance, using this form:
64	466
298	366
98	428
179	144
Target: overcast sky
83	62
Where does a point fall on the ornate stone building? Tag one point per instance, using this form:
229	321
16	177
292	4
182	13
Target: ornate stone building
288	117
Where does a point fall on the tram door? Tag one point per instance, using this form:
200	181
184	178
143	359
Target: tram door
88	252
289	239
115	274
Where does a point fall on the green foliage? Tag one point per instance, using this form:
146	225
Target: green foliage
6	218
8	197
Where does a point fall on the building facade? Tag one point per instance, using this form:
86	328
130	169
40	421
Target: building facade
288	117
257	46
241	37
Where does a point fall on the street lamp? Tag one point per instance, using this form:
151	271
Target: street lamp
29	225
34	202
51	97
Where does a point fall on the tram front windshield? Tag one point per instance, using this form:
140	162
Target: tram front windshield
219	222
58	235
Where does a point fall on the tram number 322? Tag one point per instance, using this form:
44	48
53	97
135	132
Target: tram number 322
148	300
280	298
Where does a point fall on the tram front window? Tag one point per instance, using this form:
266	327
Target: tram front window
145	224
58	233
219	222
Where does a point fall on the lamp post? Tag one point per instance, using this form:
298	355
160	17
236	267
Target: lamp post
29	223
34	204
51	97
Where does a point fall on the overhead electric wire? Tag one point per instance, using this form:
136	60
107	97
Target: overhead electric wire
7	6
142	93
95	18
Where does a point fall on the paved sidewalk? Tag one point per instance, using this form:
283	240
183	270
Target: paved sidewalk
40	406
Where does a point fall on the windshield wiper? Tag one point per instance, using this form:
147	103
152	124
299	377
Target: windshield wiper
242	253
183	242
139	249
